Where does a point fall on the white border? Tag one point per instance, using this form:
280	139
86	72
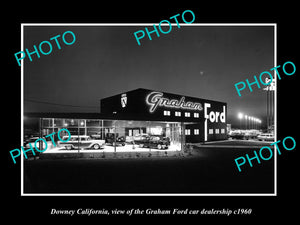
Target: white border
147	24
22	109
275	106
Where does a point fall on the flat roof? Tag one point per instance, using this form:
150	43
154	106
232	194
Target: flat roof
167	93
63	115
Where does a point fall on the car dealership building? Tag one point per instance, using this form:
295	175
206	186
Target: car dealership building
143	114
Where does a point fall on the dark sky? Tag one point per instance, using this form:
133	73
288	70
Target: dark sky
199	61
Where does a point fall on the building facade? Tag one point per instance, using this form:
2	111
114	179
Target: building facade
140	119
203	120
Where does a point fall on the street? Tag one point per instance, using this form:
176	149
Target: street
205	170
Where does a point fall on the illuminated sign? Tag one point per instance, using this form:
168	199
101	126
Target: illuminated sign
123	100
213	117
156	99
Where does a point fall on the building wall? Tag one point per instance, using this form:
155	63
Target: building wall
148	105
194	133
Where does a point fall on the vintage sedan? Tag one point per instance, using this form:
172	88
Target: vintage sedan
112	140
154	141
136	138
81	141
266	137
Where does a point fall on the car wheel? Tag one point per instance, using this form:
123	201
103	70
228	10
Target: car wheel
159	146
141	145
96	146
69	147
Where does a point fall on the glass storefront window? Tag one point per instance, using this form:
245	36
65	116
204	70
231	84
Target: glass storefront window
59	123
47	122
93	123
70	123
117	136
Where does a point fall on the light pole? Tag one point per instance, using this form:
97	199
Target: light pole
251	119
246	118
240	117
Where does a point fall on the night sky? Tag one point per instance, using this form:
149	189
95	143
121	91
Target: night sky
198	61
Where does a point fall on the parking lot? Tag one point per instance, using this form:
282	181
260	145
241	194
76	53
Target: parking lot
203	170
238	143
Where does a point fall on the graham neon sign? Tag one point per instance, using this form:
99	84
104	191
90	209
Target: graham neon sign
156	99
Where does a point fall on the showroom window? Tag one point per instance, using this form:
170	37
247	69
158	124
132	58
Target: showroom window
187	114
167	113
177	113
196	115
114	136
196	131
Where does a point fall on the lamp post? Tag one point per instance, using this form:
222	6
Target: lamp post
240	117
249	117
246	118
259	122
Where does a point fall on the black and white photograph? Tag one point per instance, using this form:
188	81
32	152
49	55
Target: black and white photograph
150	112
162	117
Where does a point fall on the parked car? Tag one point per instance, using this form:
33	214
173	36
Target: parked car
97	135
251	134
110	139
136	138
266	137
32	142
154	141
236	134
81	141
141	138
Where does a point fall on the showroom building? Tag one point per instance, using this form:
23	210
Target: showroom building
140	119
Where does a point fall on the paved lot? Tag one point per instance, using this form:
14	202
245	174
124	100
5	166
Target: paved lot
239	143
206	170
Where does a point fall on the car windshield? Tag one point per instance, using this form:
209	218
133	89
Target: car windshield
74	139
84	138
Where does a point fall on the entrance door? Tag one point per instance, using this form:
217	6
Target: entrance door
174	134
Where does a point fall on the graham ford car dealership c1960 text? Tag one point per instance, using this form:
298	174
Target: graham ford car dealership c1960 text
138	120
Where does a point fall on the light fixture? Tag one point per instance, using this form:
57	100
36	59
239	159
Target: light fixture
240	115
